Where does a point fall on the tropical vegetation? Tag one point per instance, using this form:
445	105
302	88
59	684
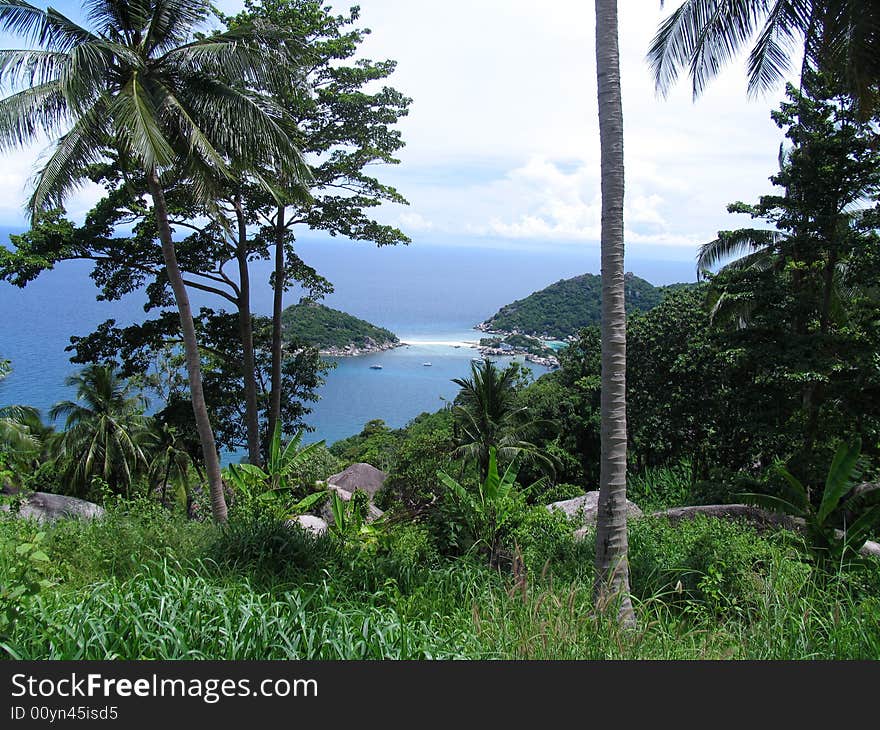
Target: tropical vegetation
329	329
558	311
697	479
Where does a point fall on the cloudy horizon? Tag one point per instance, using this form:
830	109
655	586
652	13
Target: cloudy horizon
502	145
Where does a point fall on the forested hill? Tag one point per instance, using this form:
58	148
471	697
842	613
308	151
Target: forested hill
332	331
563	308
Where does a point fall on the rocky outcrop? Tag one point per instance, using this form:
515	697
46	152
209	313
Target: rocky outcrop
45	507
586	507
368	346
365	477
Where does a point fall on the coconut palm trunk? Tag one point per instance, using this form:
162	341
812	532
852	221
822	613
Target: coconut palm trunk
246	333
191	351
612	569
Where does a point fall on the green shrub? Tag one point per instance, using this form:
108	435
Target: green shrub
131	533
717	565
541	537
402	556
557	493
660	488
257	541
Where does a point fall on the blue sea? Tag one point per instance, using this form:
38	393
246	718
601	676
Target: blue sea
430	295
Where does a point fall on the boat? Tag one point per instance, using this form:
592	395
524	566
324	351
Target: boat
426	364
375	367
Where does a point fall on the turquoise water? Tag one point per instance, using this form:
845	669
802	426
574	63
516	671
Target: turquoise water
431	295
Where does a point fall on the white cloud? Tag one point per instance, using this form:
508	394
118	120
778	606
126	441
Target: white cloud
502	138
414	222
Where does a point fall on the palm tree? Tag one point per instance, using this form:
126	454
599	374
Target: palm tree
104	431
16	434
838	37
170	105
487	417
612	567
169	457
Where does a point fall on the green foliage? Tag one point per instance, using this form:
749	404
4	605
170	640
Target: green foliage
350	524
658	488
132	533
705	565
485	516
183	589
257	543
25	574
540	537
376	444
837	528
555	493
325	328
277	486
563	308
105	432
487	416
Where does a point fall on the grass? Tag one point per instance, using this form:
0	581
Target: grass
137	586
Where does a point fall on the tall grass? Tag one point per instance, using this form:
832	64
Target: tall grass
707	589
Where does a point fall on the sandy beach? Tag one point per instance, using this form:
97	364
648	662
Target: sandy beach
441	343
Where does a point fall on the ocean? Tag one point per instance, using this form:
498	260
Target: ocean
430	295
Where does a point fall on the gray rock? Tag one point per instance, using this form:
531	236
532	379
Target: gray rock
365	477
586	507
45	507
311	523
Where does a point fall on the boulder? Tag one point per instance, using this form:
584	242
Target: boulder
45	507
365	477
311	523
586	507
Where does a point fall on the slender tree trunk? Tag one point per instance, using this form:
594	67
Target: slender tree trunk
277	307
612	568
246	332
193	363
165	482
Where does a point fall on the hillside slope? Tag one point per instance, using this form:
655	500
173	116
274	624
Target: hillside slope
334	332
563	308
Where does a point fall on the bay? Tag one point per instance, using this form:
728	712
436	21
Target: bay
431	295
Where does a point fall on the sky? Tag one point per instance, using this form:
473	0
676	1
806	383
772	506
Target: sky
502	141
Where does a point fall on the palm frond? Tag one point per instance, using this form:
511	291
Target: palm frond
735	243
702	35
35	110
46	28
770	59
81	146
172	22
136	121
232	118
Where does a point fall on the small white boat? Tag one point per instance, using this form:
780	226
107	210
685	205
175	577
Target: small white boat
375	367
426	364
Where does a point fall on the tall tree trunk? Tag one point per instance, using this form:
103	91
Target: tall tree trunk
612	568
277	307
246	332
191	350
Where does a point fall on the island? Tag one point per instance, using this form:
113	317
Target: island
334	333
558	311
